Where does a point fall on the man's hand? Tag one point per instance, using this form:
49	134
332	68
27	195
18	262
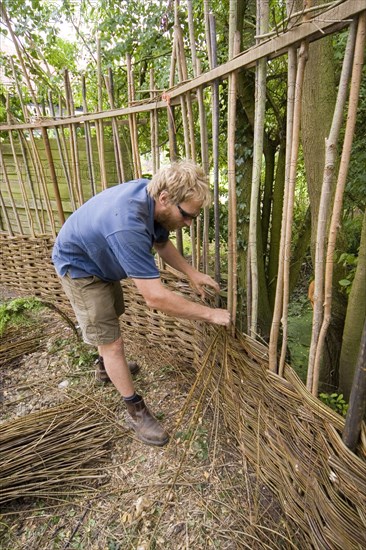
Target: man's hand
159	297
200	280
221	317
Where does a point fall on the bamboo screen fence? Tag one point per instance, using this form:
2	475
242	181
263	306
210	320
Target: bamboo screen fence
53	164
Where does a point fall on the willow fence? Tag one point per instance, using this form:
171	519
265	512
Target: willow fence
53	164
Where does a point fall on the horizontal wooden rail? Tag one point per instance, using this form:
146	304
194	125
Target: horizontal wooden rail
320	25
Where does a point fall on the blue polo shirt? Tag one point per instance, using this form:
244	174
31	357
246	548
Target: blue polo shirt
111	236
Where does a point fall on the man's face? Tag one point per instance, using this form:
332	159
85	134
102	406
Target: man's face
175	216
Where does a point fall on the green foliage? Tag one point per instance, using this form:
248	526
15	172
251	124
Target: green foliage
335	401
349	262
82	355
61	53
15	312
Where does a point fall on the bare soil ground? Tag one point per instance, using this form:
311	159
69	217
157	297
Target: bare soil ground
196	493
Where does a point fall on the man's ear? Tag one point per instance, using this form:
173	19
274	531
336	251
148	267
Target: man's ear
164	198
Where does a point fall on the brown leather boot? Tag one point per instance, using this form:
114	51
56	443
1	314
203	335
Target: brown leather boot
101	375
144	424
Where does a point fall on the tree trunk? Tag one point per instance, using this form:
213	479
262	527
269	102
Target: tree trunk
317	113
355	317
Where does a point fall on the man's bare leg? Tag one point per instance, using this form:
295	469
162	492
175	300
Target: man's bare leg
116	366
146	427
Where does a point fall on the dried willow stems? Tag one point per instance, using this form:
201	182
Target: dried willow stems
43	450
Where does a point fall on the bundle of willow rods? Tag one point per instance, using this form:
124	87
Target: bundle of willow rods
18	341
42	451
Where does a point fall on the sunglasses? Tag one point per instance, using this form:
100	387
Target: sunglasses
186	215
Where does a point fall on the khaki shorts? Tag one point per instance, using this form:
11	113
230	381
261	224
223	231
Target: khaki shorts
97	305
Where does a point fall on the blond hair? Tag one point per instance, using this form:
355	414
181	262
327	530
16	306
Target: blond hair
183	181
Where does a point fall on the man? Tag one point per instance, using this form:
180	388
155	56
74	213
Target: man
110	238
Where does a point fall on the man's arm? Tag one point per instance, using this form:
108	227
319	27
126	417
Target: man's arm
159	297
171	256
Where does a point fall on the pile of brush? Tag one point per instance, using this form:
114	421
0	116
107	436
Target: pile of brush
42	451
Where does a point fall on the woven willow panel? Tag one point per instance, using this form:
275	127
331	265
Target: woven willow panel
291	439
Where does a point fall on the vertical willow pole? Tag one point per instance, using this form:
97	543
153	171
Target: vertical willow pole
154	139
66	153
22	143
116	141
19	173
203	141
173	149
260	103
10	193
232	223
303	55
99	123
5	213
277	312
73	139
154	127
61	155
132	121
188	126
33	154
88	140
215	145
206	12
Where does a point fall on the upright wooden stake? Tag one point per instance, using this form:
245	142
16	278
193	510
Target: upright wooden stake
99	123
73	140
10	193
88	140
260	103
275	327
232	225
206	11
62	156
133	121
22	143
215	108
342	176
204	144
154	127
65	149
116	141
21	184
5	214
173	150
303	53
188	126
